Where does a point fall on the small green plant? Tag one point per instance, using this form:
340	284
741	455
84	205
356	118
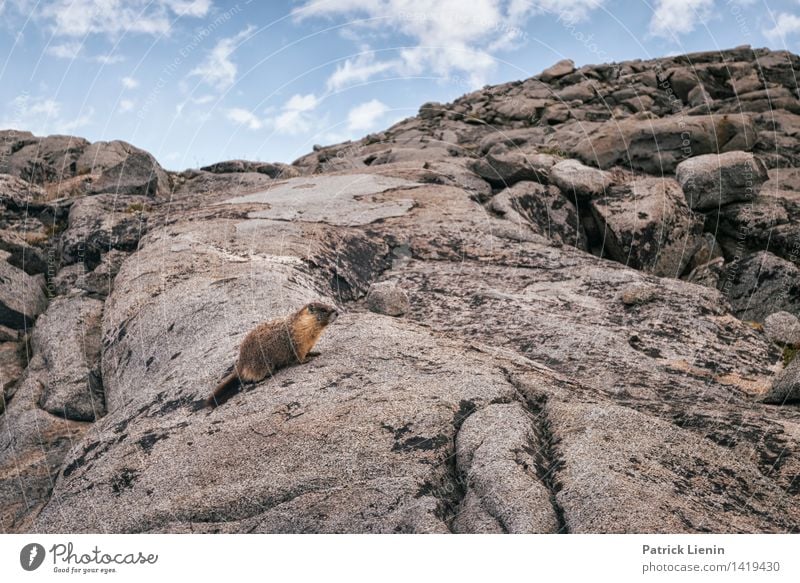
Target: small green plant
553	151
789	352
39	239
136	207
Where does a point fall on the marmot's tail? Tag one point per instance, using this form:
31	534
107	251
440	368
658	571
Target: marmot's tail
225	390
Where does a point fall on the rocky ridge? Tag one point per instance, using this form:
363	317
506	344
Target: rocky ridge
568	305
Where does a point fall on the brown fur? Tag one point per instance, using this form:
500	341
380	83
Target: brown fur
273	345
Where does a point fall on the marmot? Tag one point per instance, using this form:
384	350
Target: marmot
273	345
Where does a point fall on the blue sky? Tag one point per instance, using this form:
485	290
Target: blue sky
195	82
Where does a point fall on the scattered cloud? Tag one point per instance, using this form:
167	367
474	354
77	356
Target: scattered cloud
130	83
672	18
218	70
126	105
363	117
295	117
245	117
108	59
43	116
785	25
79	18
195	8
68	50
75	50
446	38
202	99
357	70
302	102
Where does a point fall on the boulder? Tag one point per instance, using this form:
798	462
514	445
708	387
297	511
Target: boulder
67	337
544	209
507	166
523	108
387	298
100	156
765	223
707	274
22	296
606	450
12	364
682	82
786	388
33	445
65	281
99	282
783	328
579	181
138	174
202	184
708	250
50	159
98	224
648	226
502	491
231	166
431	110
277	170
450	172
338	200
271	169
28	258
19	193
395	155
698	96
714	180
67	166
560	69
760	284
658	145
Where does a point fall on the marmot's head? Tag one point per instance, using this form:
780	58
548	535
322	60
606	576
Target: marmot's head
324	313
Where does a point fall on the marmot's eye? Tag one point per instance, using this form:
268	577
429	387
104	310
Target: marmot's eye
312	309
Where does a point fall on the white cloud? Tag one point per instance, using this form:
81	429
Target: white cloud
672	18
43	116
68	50
364	116
302	102
295	116
108	59
130	83
785	25
78	18
218	70
244	117
47	108
357	70
74	50
566	9
196	8
64	126
126	105
447	37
